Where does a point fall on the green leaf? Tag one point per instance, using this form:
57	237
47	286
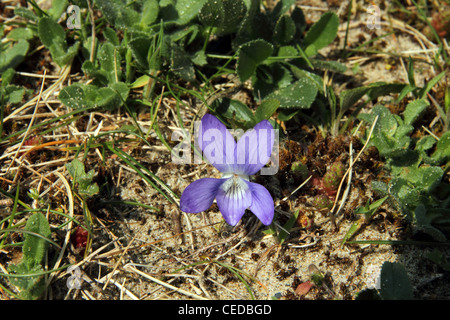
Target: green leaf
25	13
271	77
284	31
321	34
150	11
34	247
442	153
81	178
283	234
73	96
57	9
395	283
119	13
20	33
139	48
250	55
235	110
266	109
53	37
301	94
328	65
14	55
423	223
413	110
430	84
349	97
224	15
109	59
182	64
32	287
187	10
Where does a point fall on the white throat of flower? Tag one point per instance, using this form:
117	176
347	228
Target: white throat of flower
235	186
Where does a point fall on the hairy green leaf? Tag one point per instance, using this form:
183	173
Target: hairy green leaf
250	55
321	34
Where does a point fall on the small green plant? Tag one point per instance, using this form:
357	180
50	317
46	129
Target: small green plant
415	165
81	179
27	275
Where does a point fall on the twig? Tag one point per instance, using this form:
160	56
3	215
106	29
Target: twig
165	284
351	166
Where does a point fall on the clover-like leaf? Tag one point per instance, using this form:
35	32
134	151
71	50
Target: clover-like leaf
300	94
250	55
225	15
284	30
395	283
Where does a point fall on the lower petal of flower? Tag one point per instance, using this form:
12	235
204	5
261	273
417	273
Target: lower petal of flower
262	203
233	197
200	194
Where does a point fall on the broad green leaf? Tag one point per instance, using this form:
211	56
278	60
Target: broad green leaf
182	64
321	33
150	11
269	78
57	9
255	25
250	55
284	30
14	55
140	47
109	59
414	109
119	13
301	94
34	247
74	96
25	13
53	37
266	109
187	10
313	78
31	288
20	33
224	15
442	152
235	110
395	283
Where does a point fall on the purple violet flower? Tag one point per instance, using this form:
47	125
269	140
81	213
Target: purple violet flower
234	192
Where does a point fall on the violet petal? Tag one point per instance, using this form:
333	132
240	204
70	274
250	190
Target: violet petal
217	143
200	194
262	203
254	148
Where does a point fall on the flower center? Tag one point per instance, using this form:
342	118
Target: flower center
235	186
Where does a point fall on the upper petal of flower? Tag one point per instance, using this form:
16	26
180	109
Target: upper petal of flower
200	194
233	197
262	203
254	148
217	143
